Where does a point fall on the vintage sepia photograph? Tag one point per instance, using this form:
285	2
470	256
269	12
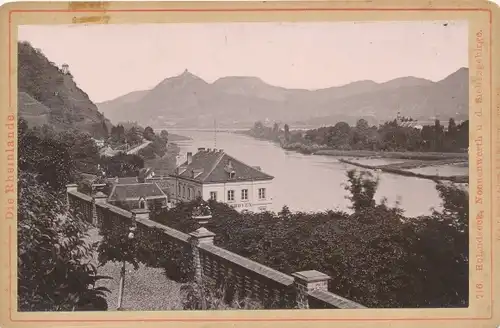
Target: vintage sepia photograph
243	165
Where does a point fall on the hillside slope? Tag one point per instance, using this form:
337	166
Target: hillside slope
42	83
35	113
187	100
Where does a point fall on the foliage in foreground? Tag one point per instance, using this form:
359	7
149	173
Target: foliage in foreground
207	295
375	256
55	272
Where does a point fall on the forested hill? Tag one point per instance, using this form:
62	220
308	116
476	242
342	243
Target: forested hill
47	95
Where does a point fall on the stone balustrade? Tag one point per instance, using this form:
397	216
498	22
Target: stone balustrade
194	256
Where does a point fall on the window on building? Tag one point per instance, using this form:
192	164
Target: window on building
142	204
213	195
231	175
199	194
244	194
178	190
183	191
262	193
230	195
189	193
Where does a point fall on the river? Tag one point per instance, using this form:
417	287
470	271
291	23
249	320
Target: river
310	182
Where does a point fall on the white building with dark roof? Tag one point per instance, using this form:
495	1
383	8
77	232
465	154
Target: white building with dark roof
138	195
213	174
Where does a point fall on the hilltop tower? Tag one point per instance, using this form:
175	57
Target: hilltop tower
65	68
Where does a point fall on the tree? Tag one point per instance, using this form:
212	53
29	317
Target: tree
149	133
43	153
452	127
362	125
82	148
105	130
118	134
258	126
276	128
360	135
340	135
438	135
55	272
287	133
164	135
122	165
463	135
362	187
133	136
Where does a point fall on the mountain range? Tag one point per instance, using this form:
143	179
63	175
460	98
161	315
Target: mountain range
187	100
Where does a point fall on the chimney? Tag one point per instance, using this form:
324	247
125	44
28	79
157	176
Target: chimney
189	158
201	149
221	150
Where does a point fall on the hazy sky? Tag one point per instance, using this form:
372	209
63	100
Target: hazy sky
108	61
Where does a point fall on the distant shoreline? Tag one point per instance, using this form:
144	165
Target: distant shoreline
318	150
430	156
394	170
172	137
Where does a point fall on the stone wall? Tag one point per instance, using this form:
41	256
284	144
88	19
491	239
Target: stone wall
81	204
194	256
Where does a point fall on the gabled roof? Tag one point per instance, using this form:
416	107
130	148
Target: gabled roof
123	192
215	166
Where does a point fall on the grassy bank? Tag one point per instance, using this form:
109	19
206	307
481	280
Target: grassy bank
426	156
423	163
393	170
172	137
314	149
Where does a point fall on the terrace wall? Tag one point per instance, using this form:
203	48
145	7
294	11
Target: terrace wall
194	256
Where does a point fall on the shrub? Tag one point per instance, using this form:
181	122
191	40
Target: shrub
55	272
210	296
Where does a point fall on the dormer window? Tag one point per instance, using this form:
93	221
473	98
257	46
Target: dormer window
142	203
232	175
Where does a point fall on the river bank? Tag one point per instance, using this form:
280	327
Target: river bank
314	149
394	169
176	137
410	160
423	156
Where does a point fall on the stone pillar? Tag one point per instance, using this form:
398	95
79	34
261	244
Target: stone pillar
198	237
141	213
98	187
306	281
70	188
99	198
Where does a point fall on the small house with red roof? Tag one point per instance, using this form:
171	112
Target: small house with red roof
213	174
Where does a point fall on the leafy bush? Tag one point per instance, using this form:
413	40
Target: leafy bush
375	256
362	187
55	272
210	296
122	165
